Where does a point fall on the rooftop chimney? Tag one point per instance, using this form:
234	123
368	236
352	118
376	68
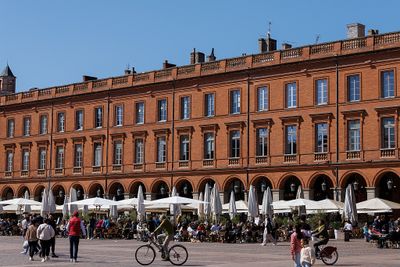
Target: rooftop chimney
196	57
355	30
86	78
167	65
211	57
286	46
373	32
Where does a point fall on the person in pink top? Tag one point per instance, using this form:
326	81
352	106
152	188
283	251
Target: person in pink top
295	245
75	227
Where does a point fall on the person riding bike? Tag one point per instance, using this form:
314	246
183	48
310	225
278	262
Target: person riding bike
168	235
322	233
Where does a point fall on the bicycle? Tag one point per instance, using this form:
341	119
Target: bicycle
327	254
146	254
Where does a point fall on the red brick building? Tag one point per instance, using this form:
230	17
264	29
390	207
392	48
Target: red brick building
320	116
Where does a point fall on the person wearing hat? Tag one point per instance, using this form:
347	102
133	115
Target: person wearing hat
75	227
168	229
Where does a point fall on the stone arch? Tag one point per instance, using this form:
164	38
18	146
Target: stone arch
359	183
21	191
8	193
59	194
96	190
236	185
321	186
387	185
159	190
80	191
38	192
261	182
343	179
184	188
117	190
134	187
289	185
202	184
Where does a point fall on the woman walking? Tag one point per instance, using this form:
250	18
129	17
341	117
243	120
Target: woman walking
75	227
31	237
295	245
45	233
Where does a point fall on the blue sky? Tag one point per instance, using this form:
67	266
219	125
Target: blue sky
50	43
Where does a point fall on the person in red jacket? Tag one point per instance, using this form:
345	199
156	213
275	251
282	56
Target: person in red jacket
75	227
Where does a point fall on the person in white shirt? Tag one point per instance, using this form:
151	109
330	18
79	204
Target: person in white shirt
307	254
45	232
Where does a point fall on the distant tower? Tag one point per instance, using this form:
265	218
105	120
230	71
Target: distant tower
7	81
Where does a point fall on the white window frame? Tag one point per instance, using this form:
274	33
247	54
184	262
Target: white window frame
291	95
78	155
184	151
118	151
97	154
389	131
262	98
291	139
354	135
387	84
42	158
61	122
161	149
27	126
119	115
140	109
320	133
139	151
98	117
60	156
262	142
162	109
209	146
322	91
209	104
185	107
354	88
235	101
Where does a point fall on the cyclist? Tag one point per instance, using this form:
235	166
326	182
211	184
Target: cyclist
168	235
322	233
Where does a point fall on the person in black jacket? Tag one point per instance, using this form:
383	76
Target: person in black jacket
53	240
322	233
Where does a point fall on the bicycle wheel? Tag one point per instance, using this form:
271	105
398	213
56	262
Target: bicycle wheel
145	255
178	255
329	255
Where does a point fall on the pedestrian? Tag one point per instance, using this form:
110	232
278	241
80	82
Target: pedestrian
75	227
53	239
45	232
24	227
268	231
295	245
307	254
31	237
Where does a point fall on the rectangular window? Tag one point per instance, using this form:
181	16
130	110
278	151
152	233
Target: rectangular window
43	124
97	154
185	108
117	153
79	120
321	138
10	161
59	157
119	115
78	157
139	151
354	137
388	133
209	147
291	140
353	88
262	142
161	149
184	148
321	89
387	84
162	110
235	101
10	128
61	122
27	126
25	159
140	112
98	117
291	95
42	158
209	105
262	99
235	144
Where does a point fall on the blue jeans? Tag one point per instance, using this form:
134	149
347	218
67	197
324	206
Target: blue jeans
306	264
297	260
73	247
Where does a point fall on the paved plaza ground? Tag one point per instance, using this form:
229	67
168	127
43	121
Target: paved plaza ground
112	253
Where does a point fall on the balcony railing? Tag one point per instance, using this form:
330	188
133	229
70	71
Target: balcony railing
160	165
353	155
77	170
138	166
183	163
354	44
261	159
208	162
388	153
59	171
24	173
289	158
320	156
8	173
116	168
41	172
96	168
233	161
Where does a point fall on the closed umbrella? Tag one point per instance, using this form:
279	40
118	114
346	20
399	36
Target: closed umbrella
65	210
85	210
253	205
300	195
45	204
140	206
52	202
266	206
1	208
200	206
216	205
207	198
72	198
175	209
27	208
350	209
113	210
232	206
